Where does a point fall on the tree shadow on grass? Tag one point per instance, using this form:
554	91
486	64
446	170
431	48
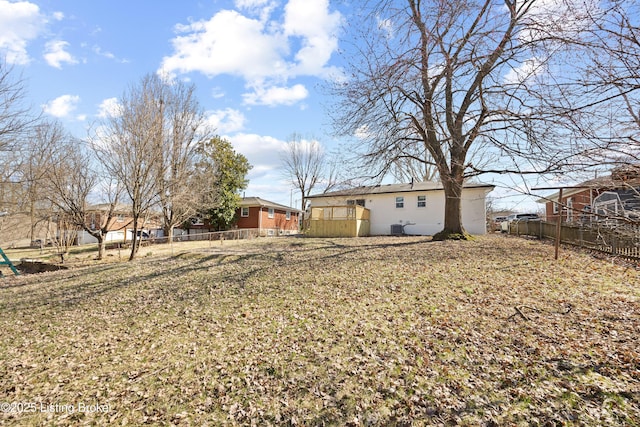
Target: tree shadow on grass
66	290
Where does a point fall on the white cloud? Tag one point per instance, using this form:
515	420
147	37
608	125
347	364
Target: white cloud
362	132
252	4
273	96
227	120
260	8
266	178
217	92
58	16
56	54
561	18
526	70
265	52
20	22
229	43
386	25
98	51
62	106
263	152
271	185
110	107
318	29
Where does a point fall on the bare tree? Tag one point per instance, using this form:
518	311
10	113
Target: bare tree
444	84
15	117
62	232
16	122
36	158
405	168
70	180
304	164
129	145
184	127
606	113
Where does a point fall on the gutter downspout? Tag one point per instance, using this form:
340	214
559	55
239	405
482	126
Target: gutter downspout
260	222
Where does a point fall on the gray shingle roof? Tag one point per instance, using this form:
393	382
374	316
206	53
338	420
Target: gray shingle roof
395	188
257	201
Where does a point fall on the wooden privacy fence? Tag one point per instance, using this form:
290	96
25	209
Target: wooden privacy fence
615	239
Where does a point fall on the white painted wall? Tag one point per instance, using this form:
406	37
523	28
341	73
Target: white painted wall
428	220
85	238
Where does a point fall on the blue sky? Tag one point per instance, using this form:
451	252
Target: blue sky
258	66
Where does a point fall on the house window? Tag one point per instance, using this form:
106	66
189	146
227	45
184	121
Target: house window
288	215
555	207
399	202
244	212
120	218
569	209
271	213
422	201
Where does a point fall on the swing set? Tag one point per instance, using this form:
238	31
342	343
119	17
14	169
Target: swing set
7	261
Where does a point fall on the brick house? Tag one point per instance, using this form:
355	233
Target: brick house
265	217
617	194
269	218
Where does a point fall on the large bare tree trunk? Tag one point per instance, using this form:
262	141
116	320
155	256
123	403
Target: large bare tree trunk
134	239
168	231
101	247
452	209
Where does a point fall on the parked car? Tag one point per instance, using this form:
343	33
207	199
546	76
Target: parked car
504	226
497	222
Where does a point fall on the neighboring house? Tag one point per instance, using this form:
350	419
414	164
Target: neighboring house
615	195
271	219
267	218
120	228
415	208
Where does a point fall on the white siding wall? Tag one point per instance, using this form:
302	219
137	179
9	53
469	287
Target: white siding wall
85	238
428	220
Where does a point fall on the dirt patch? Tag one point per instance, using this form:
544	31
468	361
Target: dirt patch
33	267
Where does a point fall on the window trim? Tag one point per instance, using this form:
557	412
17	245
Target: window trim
242	212
271	213
399	202
570	209
288	216
423	201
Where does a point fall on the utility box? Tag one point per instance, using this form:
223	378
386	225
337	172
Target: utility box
397	229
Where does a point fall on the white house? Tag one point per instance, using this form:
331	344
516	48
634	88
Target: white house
418	207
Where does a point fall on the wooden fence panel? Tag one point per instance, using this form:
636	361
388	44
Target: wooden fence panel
615	239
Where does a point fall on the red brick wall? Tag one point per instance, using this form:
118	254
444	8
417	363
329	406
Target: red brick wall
251	221
278	221
579	200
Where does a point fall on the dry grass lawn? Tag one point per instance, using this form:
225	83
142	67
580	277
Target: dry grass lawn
370	331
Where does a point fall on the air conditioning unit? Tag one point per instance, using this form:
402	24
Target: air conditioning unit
397	229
